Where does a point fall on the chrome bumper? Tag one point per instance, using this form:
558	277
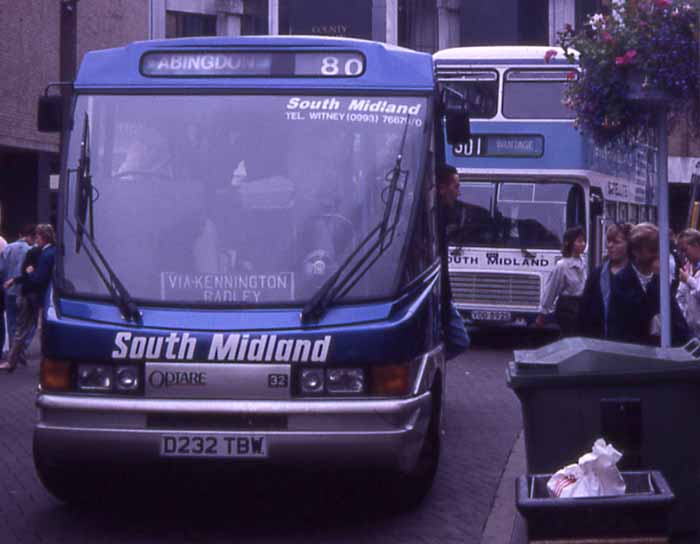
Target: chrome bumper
351	432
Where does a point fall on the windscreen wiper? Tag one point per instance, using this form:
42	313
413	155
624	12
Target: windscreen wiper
370	249
84	212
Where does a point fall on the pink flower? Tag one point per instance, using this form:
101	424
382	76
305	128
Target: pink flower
606	36
627	58
549	55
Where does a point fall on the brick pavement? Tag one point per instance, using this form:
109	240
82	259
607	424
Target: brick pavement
481	423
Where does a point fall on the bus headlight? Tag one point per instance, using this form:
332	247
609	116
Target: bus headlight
95	378
312	381
345	380
332	381
126	378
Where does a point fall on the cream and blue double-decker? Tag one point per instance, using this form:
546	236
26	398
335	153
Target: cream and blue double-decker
527	175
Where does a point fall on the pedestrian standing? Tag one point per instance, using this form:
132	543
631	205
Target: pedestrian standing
598	317
35	282
455	333
562	294
11	260
636	296
688	295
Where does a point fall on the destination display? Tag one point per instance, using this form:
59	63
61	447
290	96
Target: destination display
501	145
253	64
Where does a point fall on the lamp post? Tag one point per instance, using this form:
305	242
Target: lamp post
662	203
656	101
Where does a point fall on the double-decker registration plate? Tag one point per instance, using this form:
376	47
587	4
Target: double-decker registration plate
490	315
210	445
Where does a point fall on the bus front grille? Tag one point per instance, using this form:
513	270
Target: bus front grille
495	289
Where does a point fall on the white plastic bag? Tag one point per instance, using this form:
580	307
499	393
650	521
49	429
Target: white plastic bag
595	475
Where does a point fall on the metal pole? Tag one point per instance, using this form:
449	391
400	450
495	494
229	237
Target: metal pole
662	207
68	53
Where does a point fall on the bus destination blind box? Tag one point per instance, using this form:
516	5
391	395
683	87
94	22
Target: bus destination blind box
501	145
278	64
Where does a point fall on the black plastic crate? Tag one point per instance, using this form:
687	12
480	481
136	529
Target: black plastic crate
642	512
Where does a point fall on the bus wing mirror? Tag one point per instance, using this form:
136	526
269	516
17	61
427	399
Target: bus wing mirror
50	113
456	110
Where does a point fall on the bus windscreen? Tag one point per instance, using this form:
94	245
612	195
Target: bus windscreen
515	214
537	94
226	200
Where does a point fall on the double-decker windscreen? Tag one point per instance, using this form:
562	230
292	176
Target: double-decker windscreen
240	199
537	94
515	214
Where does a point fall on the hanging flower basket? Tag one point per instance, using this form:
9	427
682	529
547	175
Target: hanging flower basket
641	90
639	56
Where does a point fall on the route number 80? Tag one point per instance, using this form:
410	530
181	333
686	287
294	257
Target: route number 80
331	66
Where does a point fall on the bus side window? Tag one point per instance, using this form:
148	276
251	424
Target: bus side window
622	212
611	211
634	213
575	207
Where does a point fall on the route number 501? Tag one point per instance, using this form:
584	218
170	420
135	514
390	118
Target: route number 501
333	66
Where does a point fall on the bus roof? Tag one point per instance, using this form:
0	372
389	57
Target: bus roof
387	67
501	54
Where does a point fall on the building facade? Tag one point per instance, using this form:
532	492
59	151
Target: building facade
30	58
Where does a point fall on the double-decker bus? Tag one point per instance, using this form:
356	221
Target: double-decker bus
248	264
526	176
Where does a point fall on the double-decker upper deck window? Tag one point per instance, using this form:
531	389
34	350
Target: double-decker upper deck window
537	94
479	87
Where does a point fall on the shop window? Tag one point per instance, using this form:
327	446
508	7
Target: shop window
255	18
183	25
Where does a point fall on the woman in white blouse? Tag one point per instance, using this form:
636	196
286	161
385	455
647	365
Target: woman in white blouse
562	294
688	295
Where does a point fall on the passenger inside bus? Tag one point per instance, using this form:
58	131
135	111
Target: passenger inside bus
148	154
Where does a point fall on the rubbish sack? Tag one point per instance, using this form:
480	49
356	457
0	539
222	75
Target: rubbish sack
595	475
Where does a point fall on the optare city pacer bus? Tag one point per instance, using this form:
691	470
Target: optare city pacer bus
526	176
248	264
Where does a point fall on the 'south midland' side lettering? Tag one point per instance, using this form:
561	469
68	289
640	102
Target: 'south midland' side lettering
514	261
224	347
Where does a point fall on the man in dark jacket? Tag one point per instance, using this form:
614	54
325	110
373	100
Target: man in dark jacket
456	337
34	281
